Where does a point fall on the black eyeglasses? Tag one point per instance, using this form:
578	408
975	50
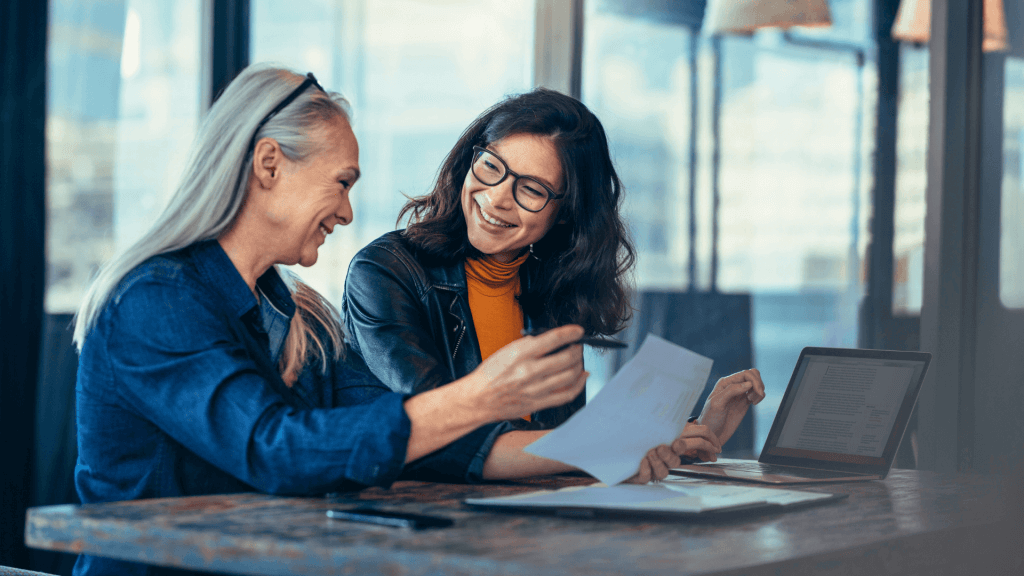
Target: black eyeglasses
531	194
310	79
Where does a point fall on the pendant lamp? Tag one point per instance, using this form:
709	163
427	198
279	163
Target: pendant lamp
914	24
746	16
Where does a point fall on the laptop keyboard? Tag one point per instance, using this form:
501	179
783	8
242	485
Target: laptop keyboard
785	470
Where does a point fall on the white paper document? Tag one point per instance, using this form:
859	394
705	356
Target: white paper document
665	498
645	404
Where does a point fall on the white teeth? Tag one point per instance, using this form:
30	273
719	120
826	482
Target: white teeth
494	220
324	230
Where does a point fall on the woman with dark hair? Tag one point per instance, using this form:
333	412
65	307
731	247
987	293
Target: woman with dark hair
521	232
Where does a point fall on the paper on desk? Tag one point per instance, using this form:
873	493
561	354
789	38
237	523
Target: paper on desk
645	404
650	497
667	497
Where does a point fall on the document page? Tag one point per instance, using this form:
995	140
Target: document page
666	497
645	404
846	407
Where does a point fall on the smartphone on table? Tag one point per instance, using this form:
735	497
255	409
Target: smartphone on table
390	518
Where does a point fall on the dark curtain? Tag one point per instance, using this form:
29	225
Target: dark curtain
22	257
56	446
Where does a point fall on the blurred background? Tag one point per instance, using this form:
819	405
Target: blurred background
780	184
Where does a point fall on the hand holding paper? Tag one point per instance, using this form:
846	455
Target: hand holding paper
645	404
696	440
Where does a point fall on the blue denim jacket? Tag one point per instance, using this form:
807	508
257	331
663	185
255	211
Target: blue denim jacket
178	394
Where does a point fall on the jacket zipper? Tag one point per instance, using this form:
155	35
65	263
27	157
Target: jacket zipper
462	325
457	342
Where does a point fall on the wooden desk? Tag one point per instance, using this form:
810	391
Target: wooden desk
913	522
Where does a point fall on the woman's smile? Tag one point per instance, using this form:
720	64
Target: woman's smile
487	216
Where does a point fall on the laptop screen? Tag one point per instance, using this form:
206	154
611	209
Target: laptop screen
848	407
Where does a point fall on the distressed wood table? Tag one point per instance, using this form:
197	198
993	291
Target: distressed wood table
913	522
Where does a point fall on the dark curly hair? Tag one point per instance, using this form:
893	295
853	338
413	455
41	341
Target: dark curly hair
581	272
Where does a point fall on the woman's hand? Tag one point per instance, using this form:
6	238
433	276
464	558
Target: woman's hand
696	440
728	402
525	376
518	379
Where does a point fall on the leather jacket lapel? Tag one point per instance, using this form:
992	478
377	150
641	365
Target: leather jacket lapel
449	284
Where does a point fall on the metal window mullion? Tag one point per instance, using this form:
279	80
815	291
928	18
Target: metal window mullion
949	310
226	25
876	323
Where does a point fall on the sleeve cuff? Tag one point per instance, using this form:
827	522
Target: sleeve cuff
459	462
382	453
475	472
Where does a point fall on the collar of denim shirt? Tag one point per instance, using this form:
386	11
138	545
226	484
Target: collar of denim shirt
222	277
275	324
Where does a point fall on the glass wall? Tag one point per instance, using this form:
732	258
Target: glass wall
1011	246
637	78
911	181
792	175
123	102
795	183
417	73
912	176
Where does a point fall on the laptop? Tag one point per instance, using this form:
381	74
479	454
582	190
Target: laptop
842	418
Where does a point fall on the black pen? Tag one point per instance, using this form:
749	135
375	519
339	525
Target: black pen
588	340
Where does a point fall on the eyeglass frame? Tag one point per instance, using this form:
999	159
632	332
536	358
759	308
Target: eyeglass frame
479	150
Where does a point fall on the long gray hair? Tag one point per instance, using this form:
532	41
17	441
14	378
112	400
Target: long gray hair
213	188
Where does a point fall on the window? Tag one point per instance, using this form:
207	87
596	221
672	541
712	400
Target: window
416	72
123	90
1011	245
911	181
793	170
637	78
795	182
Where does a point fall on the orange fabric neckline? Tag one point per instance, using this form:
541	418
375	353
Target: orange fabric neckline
494	276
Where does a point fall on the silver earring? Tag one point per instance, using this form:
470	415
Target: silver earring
535	257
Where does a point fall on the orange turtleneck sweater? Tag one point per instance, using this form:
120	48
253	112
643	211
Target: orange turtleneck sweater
493	287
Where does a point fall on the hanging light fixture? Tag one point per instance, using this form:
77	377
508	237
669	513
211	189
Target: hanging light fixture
914	24
746	16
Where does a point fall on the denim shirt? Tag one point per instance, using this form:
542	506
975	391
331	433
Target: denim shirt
178	394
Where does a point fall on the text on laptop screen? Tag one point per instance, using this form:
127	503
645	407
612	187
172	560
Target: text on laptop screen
846	405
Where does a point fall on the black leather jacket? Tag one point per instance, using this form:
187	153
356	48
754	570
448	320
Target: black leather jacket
408	317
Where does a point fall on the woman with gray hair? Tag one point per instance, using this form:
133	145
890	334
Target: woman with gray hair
203	369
